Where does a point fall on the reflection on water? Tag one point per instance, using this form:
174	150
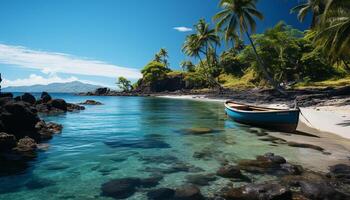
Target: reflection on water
137	137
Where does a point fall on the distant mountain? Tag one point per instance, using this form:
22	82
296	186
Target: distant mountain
71	87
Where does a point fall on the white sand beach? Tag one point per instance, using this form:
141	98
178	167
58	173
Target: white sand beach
331	118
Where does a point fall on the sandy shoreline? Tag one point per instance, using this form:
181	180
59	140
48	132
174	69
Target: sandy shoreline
330	124
332	119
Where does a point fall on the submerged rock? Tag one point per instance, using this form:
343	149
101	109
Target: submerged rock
302	145
197	131
120	188
340	172
188	192
126	187
269	164
166	159
230	171
200	179
263	191
161	194
91	102
138	143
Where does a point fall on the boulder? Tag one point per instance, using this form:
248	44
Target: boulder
340	172
74	107
26	97
20	119
91	102
26	144
102	91
120	188
317	190
7	141
161	194
229	171
200	179
59	104
263	191
188	192
45	97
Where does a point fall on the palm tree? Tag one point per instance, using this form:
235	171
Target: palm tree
157	58
239	14
163	54
202	42
187	66
333	33
316	7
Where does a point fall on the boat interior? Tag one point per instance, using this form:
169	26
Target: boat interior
249	107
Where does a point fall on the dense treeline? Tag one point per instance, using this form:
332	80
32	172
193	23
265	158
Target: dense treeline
280	57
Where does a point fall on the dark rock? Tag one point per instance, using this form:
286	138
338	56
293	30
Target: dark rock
74	107
269	164
26	144
301	145
101	91
340	172
120	188
197	131
161	194
26	97
7	141
292	169
59	104
138	143
18	118
166	159
318	190
263	191
188	192
91	102
229	171
200	179
47	130
45	97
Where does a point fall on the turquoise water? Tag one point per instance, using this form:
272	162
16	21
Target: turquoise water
134	137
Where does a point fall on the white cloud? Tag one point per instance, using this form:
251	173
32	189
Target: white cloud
53	62
183	29
34	79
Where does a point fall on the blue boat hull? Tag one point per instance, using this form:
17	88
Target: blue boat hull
286	121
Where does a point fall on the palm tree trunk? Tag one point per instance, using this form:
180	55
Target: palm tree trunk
263	69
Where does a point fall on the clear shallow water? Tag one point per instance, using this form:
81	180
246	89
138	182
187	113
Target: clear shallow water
134	137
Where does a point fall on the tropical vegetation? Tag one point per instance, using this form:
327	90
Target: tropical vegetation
229	54
124	84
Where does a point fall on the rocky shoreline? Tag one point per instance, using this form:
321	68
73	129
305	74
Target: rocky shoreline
290	182
304	98
22	131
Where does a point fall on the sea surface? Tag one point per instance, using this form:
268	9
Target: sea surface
136	137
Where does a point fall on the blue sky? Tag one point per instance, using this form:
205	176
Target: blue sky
98	40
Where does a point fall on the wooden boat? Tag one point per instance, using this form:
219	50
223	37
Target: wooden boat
285	120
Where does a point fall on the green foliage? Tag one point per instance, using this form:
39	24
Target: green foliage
124	84
196	80
154	71
188	66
